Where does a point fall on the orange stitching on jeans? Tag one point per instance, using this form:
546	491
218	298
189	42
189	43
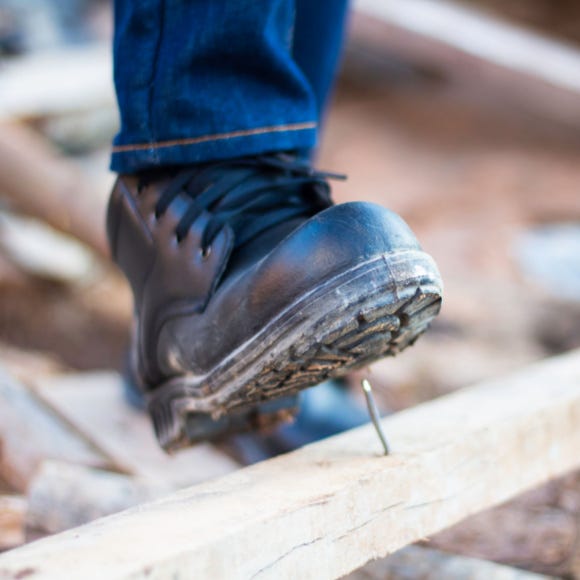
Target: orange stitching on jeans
216	137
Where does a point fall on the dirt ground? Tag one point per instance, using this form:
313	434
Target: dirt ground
471	175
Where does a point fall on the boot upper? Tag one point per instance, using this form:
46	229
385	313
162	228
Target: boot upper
214	254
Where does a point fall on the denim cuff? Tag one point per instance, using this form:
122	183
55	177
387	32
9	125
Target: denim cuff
132	158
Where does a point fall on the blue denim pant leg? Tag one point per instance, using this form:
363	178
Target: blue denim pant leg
318	40
201	80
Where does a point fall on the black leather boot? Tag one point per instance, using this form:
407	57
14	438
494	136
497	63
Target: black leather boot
250	285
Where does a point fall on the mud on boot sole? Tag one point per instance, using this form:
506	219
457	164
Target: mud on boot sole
376	309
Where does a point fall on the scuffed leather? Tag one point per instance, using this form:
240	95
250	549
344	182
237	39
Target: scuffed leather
324	246
193	311
163	272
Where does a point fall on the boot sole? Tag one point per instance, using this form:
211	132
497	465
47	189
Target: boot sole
373	310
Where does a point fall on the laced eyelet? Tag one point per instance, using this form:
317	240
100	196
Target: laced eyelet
205	253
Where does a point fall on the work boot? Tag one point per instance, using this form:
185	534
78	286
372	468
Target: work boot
250	285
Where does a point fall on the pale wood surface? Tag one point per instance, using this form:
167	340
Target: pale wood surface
535	72
25	365
329	508
94	403
12	514
42	183
62	496
30	433
57	82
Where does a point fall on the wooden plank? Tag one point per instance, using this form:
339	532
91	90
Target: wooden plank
25	365
330	507
56	82
56	191
12	514
535	72
30	433
62	496
94	403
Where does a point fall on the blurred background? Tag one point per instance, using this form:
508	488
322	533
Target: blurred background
462	116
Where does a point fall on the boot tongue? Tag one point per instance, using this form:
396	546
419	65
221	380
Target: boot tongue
256	200
250	195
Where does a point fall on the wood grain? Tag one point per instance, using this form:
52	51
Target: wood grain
95	405
330	507
531	71
30	432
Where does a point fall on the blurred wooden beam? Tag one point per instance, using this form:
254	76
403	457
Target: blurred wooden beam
12	521
31	433
41	183
62	495
330	507
56	82
95	405
539	74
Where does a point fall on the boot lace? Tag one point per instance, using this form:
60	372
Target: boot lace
253	195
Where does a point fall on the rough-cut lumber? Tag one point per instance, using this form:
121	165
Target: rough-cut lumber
95	405
62	496
416	562
30	432
56	82
25	365
12	514
532	71
41	251
42	183
329	508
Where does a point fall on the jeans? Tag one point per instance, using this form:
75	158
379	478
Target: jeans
202	80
